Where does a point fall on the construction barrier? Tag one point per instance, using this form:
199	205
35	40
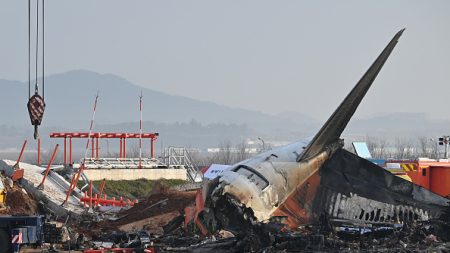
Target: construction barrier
106	202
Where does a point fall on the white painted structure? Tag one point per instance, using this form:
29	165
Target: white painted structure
134	174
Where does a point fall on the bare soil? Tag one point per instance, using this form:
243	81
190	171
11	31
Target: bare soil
18	202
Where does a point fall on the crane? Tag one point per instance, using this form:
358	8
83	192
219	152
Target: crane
36	102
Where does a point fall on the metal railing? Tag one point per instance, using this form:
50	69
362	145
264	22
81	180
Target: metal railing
179	156
122	163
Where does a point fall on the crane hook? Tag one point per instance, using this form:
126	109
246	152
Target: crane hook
36	107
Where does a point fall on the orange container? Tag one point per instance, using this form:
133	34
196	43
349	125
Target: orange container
440	180
430	174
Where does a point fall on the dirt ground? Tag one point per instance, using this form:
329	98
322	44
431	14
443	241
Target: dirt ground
18	202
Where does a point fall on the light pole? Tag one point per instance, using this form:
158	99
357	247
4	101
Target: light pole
444	140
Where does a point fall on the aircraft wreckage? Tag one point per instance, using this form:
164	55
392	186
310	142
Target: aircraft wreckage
311	180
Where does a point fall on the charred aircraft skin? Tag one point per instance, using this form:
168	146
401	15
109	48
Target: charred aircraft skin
315	177
264	182
352	188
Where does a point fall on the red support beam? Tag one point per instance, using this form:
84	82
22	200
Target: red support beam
21	152
125	147
39	151
65	150
102	187
92	148
41	185
107	202
96	147
73	180
152	148
70	150
104	135
121	146
74	184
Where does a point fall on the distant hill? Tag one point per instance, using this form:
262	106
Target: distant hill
400	124
179	120
188	134
69	97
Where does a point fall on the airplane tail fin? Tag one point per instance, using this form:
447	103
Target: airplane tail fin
335	125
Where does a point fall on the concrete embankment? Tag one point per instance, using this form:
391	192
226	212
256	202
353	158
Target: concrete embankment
134	174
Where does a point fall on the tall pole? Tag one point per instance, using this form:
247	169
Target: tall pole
125	147
152	148
92	147
70	150
41	185
140	131
21	153
39	151
97	147
446	140
65	150
80	170
121	146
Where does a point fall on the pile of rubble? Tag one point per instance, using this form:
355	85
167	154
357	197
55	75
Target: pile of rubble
243	233
160	221
161	206
19	202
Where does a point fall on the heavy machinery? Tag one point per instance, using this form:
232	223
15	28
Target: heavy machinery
20	230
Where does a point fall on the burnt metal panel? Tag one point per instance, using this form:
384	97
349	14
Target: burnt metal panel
356	189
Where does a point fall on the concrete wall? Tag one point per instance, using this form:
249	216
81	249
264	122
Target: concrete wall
133	174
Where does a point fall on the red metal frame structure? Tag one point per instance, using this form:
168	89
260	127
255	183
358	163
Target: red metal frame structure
119	250
96	200
95	142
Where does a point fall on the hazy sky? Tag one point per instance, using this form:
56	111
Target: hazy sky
270	56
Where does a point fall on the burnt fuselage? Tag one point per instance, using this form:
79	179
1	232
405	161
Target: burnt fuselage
335	183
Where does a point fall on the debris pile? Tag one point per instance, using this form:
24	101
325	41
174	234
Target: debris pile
243	234
19	202
151	214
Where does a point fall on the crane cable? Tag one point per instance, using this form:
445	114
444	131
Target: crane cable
36	89
43	49
36	103
29	50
